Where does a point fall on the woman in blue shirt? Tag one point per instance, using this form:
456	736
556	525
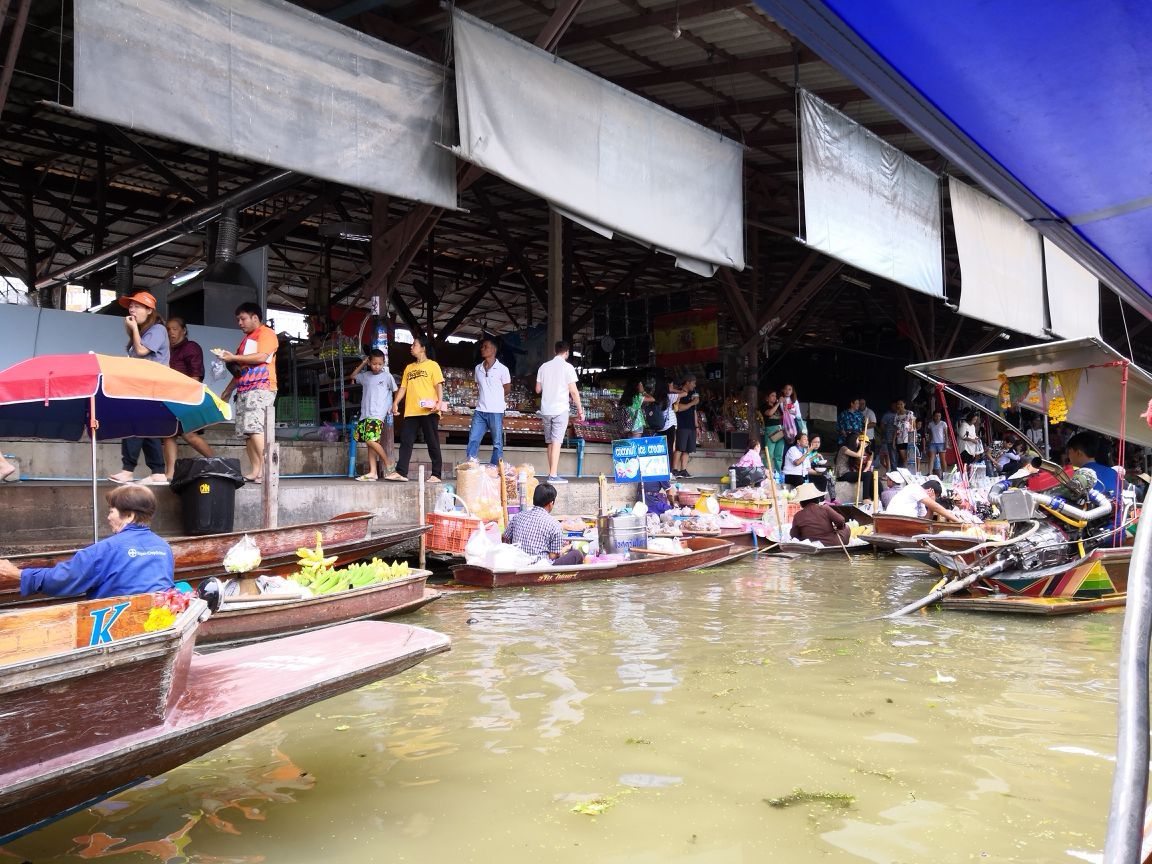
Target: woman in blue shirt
133	560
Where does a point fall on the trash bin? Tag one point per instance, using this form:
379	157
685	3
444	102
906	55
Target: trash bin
207	488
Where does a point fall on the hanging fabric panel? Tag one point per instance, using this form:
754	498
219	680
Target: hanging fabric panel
268	81
596	151
866	203
1073	294
1001	276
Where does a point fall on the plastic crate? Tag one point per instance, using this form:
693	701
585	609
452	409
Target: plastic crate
450	532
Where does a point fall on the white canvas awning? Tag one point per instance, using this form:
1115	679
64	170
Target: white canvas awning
596	152
1098	404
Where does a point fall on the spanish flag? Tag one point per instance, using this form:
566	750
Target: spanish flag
686	337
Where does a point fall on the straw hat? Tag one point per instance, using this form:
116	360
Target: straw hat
1145	478
808	492
141	297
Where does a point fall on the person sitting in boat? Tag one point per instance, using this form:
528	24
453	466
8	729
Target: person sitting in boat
1081	453
920	499
536	531
818	523
894	480
133	560
659	496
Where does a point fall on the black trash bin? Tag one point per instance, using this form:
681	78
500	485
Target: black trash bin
207	488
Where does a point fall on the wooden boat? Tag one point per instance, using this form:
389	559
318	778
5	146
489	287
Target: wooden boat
249	619
735	536
203	555
890	532
796	547
280	564
94	703
702	551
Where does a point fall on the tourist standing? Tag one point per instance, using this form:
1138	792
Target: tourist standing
493	381
422	391
869	419
147	340
376	394
685	427
556	384
792	422
904	434
630	409
772	428
971	447
1035	434
186	357
849	423
254	383
937	443
886	435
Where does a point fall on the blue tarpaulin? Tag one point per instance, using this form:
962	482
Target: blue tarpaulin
1048	105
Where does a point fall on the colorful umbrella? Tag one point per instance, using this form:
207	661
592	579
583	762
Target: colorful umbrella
61	397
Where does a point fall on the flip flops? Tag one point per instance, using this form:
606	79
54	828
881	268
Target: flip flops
256	480
367	478
120	480
396	478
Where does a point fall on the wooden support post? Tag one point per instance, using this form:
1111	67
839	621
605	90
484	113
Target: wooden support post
555	278
271	486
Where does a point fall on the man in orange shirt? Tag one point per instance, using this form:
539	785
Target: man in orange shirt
254	381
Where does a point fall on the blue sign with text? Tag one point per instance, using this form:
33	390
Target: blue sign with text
641	459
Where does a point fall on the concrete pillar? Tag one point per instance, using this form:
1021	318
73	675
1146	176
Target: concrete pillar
555	279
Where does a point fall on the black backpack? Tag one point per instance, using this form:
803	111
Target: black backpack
655	416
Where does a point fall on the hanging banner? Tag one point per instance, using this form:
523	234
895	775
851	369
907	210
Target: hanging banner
641	459
680	338
1073	294
866	203
272	82
593	150
1001	276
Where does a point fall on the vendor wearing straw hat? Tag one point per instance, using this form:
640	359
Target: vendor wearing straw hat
818	523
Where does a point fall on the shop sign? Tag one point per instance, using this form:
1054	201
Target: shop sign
636	459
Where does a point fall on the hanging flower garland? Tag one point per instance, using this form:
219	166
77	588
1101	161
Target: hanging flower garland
1006	393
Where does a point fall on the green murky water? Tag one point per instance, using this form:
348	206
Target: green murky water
674	707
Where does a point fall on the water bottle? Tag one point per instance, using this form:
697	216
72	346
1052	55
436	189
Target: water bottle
522	490
732	479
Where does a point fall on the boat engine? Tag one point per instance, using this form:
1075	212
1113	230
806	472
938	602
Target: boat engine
1046	546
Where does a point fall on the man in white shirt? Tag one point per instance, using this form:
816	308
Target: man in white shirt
918	500
556	384
493	381
869	419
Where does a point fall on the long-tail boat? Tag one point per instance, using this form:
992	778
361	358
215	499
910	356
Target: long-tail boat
700	552
95	701
1064	552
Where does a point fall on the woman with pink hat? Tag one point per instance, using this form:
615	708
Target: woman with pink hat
147	340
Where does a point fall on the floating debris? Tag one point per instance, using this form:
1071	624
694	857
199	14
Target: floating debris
799	796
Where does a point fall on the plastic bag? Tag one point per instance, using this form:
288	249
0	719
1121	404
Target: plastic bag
329	433
480	546
243	556
479	487
506	557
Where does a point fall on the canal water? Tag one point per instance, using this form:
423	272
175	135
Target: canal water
748	714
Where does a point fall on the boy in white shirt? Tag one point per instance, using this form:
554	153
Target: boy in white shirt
375	406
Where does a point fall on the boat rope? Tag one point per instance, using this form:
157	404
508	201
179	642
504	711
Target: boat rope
952	436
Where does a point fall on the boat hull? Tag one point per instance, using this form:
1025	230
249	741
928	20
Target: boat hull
1097	581
702	552
226	694
256	620
806	549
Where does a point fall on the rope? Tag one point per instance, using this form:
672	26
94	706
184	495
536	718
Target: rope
955	443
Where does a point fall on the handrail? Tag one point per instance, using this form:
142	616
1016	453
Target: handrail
1123	841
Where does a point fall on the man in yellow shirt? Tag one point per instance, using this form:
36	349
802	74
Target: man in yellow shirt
422	391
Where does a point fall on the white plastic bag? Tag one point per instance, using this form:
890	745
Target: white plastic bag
482	543
243	556
506	557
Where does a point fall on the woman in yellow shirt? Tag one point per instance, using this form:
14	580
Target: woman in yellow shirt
423	385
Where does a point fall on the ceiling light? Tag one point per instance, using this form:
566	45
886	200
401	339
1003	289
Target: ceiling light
360	232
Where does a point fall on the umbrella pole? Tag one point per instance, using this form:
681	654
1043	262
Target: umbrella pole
92	427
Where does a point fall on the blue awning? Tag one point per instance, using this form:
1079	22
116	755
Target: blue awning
1048	105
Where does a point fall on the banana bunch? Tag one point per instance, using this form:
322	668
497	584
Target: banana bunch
314	567
326	580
